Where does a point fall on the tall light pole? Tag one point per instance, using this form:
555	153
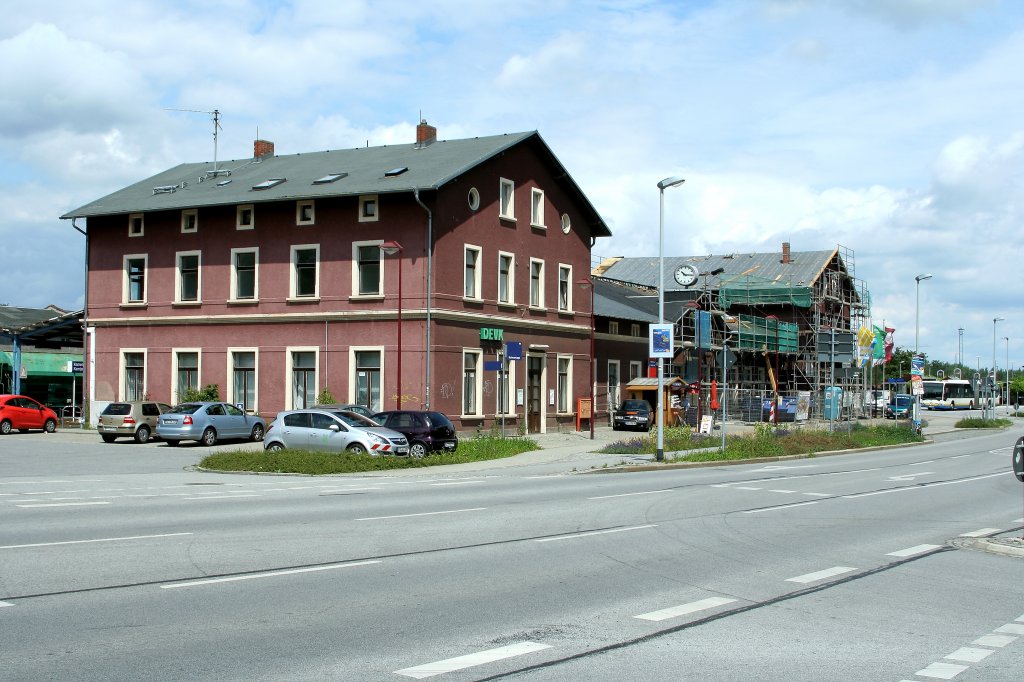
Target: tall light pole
593	366
667	182
1007	365
391	248
995	373
917	325
960	348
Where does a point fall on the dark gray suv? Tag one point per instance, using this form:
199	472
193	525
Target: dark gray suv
427	431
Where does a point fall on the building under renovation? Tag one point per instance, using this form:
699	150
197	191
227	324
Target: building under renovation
789	320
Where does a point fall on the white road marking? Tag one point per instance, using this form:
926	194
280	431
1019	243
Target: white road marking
3	604
744	487
83	480
60	504
980	532
455	483
646	492
911	551
226	496
820	575
1018	520
909	477
1011	629
684	609
786	492
462	662
959	456
925	485
969	654
588	534
1020	619
269	574
780	467
783	506
997	641
942	671
82	542
406	516
917	464
816	494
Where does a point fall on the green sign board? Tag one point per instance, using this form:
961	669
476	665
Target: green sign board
491	334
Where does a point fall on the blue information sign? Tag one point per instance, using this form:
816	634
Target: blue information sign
514	350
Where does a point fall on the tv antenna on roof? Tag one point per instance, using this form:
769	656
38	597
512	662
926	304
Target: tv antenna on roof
216	127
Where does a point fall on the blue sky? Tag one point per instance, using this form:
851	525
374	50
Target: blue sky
891	127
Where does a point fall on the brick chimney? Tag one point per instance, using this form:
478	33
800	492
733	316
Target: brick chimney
785	253
262	148
425	133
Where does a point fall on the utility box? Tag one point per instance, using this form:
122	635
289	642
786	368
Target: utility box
833	402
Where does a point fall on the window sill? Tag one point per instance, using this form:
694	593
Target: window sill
470	417
302	299
507	304
245	227
367	297
538	308
186	304
507	218
134	304
538	226
472	299
243	301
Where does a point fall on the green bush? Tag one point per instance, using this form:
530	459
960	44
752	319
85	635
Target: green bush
209	393
978	423
325	397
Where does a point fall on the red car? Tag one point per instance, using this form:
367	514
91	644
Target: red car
24	413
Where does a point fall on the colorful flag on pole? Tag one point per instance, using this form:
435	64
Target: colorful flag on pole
889	344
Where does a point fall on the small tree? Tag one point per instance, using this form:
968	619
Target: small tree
325	397
210	392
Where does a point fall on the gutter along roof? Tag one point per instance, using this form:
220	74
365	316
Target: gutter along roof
349	172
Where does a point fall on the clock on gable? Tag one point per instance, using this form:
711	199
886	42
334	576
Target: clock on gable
686	275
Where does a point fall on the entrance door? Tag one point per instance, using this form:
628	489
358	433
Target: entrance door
534	392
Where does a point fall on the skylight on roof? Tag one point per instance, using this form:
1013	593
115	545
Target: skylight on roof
330	177
395	171
267	184
224	182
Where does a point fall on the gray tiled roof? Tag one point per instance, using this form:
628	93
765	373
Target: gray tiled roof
803	270
14	319
623	302
429	168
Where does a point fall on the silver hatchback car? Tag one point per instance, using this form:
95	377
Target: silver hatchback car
333	431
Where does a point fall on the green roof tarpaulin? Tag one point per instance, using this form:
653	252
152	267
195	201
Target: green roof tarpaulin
42	364
759	291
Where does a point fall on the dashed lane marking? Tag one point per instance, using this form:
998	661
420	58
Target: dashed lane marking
995	641
269	574
59	504
646	492
981	532
820	575
595	532
479	658
969	654
913	551
942	671
406	516
685	609
781	506
83	542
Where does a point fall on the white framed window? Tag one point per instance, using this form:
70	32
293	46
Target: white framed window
613	384
136	225
471	276
136	272
368	209
133	374
634	329
564	288
536	283
506	199
302	376
506	278
613	326
505	400
305	213
245	217
187	283
564	386
636	369
366	371
537	208
304	282
185	364
472	382
245	270
243	368
367	269
190	220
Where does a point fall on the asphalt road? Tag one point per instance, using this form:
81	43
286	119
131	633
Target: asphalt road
117	562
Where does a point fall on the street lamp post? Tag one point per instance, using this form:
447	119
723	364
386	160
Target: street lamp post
593	365
917	326
662	185
995	372
392	248
1007	366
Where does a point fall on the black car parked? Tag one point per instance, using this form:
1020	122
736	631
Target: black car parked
427	431
637	415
